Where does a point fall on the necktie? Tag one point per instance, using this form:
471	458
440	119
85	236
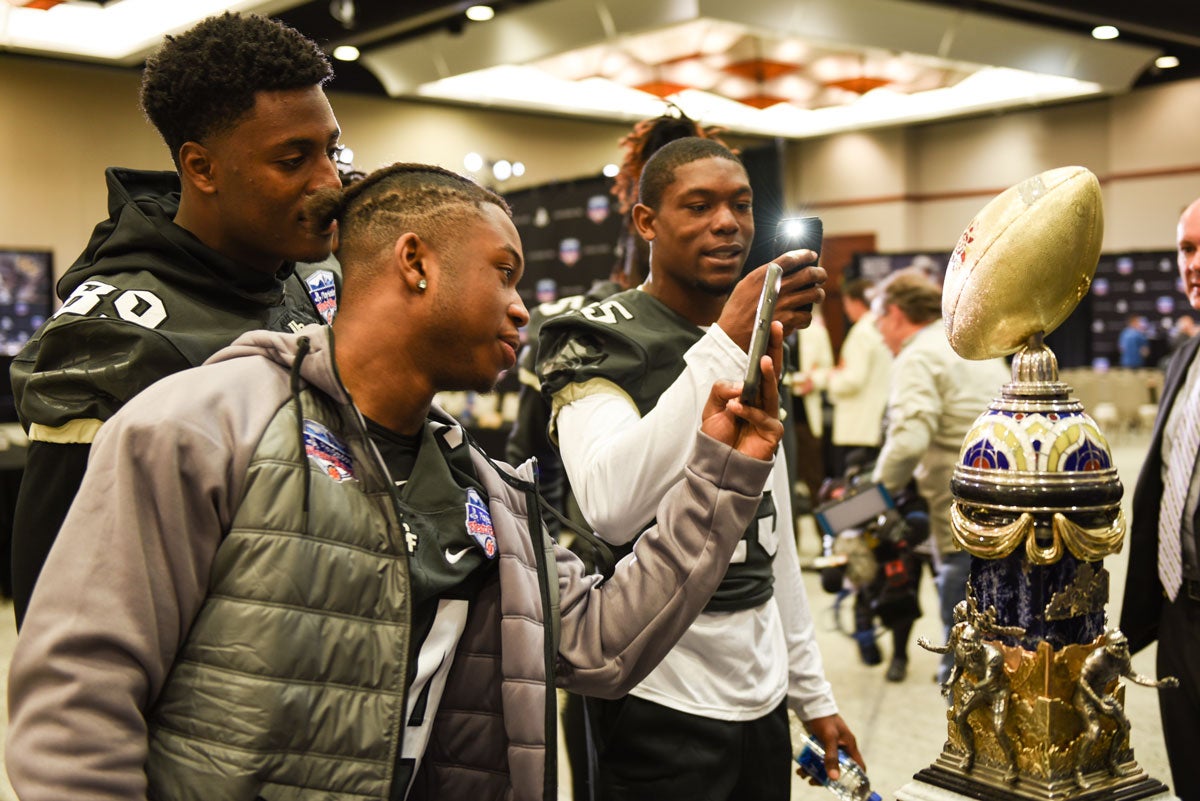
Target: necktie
1179	479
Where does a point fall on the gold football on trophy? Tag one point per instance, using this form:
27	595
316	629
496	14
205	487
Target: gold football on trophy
1024	263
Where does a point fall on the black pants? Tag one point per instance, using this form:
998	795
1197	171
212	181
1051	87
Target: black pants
648	752
575	739
1179	655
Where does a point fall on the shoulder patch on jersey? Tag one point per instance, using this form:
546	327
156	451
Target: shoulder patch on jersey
479	524
323	291
328	451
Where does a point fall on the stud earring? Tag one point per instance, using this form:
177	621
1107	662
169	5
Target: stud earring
422	285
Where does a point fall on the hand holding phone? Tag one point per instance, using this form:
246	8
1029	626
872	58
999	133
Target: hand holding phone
802	233
761	335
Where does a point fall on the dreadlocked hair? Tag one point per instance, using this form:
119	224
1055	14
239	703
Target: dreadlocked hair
430	201
644	141
204	81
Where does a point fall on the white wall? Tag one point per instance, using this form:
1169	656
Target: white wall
385	131
62	125
914	188
918	189
868	172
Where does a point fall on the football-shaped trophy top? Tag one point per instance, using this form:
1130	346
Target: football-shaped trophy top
1024	263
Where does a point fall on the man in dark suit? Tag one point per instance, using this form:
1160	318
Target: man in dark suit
1162	590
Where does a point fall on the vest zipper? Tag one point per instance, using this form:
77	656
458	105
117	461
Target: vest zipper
394	793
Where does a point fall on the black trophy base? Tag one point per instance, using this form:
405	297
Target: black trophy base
988	787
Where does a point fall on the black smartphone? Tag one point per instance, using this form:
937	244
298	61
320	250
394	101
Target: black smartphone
801	233
761	336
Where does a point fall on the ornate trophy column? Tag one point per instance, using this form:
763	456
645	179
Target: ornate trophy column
1036	706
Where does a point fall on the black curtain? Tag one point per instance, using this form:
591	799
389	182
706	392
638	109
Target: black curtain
764	166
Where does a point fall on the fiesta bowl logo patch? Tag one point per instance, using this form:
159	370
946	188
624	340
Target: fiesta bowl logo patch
328	451
479	524
323	291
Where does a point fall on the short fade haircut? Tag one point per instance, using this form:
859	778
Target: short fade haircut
659	172
429	201
911	291
204	81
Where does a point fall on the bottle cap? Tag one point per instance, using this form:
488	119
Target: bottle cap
874	797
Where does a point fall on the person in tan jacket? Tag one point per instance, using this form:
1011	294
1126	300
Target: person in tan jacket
858	386
288	575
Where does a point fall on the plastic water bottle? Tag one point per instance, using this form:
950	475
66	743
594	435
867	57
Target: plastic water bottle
851	785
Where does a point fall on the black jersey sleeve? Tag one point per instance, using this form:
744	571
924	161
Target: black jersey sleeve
85	369
630	339
572	352
51	479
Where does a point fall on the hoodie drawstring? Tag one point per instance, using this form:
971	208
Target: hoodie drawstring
302	349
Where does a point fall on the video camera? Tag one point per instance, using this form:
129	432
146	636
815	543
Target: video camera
864	531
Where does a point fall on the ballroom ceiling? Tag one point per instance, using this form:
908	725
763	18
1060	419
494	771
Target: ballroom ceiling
780	67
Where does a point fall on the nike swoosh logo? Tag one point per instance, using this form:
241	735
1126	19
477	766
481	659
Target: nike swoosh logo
453	558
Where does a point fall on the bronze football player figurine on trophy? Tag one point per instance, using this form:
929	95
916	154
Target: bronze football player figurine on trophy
987	683
1094	701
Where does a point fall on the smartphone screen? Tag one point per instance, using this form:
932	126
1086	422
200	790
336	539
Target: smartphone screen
752	387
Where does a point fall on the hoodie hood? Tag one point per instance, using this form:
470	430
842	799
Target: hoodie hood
317	366
140	235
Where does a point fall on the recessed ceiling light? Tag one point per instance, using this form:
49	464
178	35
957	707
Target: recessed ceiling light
1166	62
480	13
1105	32
345	53
473	162
611	170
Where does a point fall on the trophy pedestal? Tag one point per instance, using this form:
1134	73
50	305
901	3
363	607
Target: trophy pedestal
937	783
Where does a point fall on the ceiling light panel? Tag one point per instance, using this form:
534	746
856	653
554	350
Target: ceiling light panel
850	63
123	32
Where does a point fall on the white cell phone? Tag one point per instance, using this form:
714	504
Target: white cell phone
761	336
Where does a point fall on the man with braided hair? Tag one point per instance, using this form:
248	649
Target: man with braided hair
529	433
186	261
646	138
287	574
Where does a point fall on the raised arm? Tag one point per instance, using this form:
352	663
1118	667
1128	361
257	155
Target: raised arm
615	632
620	463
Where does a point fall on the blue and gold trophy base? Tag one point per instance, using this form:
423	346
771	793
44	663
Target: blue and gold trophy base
1043	723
